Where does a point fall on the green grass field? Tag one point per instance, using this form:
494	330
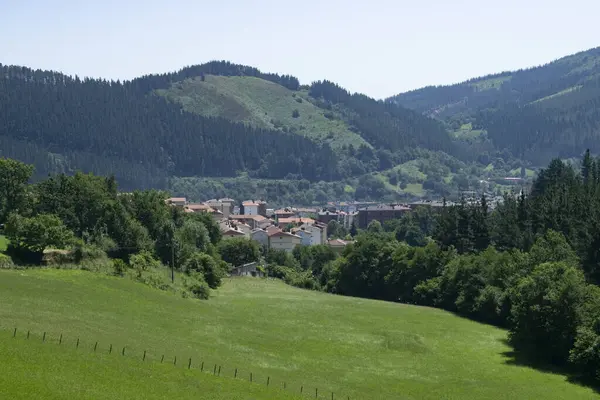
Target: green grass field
263	104
35	370
3	243
359	348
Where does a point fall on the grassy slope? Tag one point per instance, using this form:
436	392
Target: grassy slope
358	348
260	103
30	369
3	242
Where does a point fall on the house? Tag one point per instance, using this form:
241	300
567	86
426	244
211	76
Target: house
327	216
348	218
231	233
314	234
177	201
381	213
284	213
284	241
244	228
261	236
305	236
255	207
337	245
250	269
199	207
283	222
225	206
216	214
252	220
305	212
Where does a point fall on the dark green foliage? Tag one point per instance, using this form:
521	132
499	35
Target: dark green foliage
38	233
385	125
239	251
14	176
536	113
103	127
546	311
212	270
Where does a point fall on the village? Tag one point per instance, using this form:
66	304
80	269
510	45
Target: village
286	228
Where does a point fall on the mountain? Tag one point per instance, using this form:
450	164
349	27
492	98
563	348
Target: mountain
212	120
536	114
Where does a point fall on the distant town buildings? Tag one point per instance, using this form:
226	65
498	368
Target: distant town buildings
288	227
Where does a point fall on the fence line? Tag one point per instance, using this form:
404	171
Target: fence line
62	341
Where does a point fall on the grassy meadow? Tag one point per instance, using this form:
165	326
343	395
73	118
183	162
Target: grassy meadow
35	370
357	348
261	103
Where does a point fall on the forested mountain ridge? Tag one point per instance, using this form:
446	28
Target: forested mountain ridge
536	113
141	131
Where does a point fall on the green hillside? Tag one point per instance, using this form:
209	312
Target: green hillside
354	347
536	114
263	104
62	371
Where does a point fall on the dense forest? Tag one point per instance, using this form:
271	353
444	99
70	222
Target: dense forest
536	114
59	122
63	124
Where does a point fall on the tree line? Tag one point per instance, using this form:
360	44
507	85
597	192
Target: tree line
83	221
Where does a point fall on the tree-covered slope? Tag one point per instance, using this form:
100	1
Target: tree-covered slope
211	120
536	113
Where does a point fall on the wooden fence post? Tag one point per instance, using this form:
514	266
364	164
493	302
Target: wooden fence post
190	363
44	337
144	358
162	358
60	340
15	333
110	349
235	374
77	345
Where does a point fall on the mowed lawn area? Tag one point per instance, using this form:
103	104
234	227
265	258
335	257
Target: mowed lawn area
359	348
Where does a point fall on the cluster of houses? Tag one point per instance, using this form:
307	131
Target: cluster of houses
286	228
281	229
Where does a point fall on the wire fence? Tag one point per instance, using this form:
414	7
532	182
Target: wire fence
204	366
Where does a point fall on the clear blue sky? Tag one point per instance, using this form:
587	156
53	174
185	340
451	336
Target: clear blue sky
378	47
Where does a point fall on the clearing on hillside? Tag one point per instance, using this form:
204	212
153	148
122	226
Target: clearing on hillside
353	347
263	104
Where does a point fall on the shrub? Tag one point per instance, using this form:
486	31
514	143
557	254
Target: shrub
212	270
120	267
6	262
295	113
143	262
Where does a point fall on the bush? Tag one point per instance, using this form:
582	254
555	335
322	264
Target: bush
212	270
87	252
120	267
6	262
199	289
142	262
547	310
295	113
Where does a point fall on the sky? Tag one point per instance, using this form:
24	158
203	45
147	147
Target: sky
377	47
